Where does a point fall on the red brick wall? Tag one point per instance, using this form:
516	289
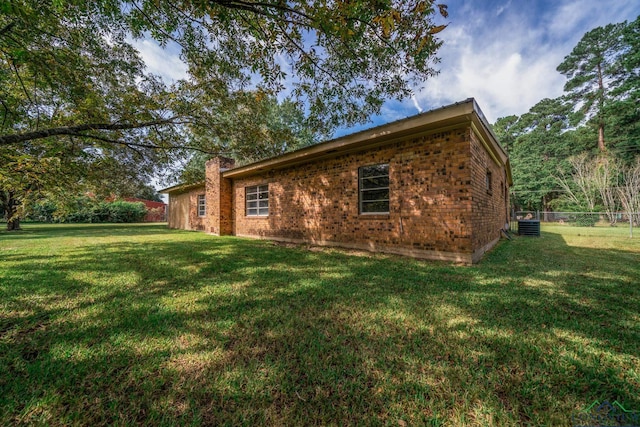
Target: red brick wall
219	216
430	200
489	208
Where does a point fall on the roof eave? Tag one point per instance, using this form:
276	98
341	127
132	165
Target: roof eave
181	188
495	147
445	117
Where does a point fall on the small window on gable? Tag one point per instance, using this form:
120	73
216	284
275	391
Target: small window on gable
488	182
373	183
202	205
257	200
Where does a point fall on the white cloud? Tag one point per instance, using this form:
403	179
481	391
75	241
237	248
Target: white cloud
506	58
502	8
391	112
164	62
568	17
416	104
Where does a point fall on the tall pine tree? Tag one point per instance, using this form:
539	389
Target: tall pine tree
591	68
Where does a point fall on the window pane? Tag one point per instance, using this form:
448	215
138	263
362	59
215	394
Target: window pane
374	188
257	200
375	195
201	205
375	170
375	207
377	182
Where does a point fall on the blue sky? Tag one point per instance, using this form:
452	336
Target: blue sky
504	53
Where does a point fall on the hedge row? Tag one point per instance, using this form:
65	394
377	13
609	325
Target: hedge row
94	212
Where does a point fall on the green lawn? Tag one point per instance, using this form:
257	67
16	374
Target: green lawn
116	324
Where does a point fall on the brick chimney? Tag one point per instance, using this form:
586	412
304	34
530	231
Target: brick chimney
219	219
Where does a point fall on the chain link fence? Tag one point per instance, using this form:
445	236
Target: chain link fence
577	219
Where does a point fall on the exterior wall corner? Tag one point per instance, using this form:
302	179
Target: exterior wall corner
219	219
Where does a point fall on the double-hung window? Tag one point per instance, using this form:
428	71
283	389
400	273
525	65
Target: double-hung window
202	205
373	186
257	200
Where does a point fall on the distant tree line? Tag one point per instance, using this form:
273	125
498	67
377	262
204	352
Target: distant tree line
593	127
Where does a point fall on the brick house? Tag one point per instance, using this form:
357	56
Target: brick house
434	185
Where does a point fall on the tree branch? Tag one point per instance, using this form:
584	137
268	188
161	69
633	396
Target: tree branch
255	8
132	146
158	28
24	89
135	145
7	28
71	130
315	63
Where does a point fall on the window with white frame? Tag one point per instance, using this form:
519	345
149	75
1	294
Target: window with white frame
202	205
373	186
257	200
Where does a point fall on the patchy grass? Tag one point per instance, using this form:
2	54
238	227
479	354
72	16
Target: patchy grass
117	324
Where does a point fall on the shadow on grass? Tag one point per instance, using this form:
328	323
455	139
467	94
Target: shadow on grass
49	231
230	331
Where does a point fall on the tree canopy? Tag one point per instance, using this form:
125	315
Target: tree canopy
74	91
69	66
538	145
273	128
341	58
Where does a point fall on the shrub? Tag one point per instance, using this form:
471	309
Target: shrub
86	210
43	211
99	212
126	211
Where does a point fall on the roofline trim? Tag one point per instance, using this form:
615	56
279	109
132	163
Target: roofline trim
180	188
422	123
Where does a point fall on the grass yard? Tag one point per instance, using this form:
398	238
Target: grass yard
117	324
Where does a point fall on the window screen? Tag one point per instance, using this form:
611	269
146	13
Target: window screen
374	188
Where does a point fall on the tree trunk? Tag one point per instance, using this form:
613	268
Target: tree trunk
11	211
13	224
601	138
600	110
